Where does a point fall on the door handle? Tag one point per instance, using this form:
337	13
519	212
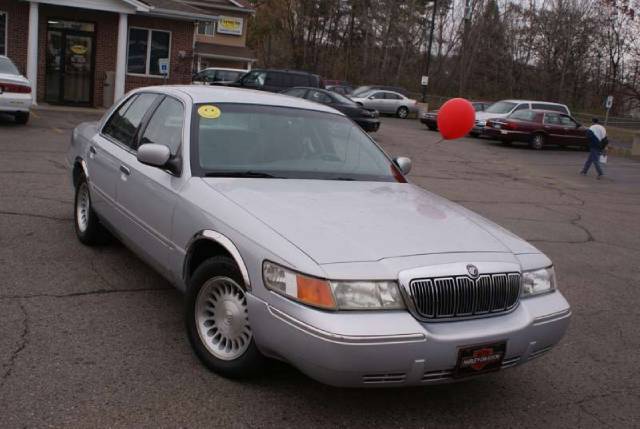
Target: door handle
124	170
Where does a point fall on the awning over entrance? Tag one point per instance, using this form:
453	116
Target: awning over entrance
223	52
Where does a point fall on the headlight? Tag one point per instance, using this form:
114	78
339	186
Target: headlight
538	281
333	295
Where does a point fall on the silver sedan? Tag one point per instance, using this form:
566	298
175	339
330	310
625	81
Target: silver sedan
389	102
295	237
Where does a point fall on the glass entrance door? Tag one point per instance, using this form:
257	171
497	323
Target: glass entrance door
69	58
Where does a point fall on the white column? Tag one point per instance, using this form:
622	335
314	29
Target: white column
121	57
32	50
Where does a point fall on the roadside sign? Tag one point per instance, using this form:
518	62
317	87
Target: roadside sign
609	102
163	65
424	81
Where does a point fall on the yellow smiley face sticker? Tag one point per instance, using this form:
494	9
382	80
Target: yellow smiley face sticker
209	111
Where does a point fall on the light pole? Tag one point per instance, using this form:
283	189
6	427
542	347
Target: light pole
428	53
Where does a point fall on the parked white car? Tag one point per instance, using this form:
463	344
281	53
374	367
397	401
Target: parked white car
15	91
504	108
388	102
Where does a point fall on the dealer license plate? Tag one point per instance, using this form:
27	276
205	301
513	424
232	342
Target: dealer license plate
480	359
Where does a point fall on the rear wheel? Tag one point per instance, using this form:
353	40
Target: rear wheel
402	112
217	319
22	117
537	141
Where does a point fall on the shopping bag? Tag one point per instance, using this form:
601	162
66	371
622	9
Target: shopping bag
603	159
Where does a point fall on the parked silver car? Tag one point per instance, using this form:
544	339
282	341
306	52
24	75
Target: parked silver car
390	102
296	237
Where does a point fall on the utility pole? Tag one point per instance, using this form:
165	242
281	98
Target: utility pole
428	53
465	44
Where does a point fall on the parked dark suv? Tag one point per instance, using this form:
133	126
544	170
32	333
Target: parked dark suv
277	80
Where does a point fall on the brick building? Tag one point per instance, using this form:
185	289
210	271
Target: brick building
89	52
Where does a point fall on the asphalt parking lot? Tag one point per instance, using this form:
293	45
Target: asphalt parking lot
94	338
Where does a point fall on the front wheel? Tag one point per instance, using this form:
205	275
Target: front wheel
87	225
537	141
217	319
402	112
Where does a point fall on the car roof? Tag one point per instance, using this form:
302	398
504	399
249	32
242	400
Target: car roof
223	94
225	69
287	71
533	101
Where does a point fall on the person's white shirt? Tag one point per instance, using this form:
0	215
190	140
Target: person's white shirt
599	131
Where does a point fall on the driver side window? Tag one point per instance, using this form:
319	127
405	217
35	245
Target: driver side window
378	96
165	126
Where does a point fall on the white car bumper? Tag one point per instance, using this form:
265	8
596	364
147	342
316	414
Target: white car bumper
12	102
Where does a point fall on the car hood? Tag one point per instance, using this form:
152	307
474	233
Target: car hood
13	78
337	221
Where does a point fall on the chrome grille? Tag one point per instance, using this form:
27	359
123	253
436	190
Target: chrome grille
462	296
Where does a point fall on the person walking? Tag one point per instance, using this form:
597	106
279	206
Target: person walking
597	136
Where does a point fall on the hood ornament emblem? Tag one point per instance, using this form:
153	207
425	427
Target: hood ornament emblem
473	270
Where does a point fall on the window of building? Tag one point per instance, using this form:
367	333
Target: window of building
207	28
3	33
146	47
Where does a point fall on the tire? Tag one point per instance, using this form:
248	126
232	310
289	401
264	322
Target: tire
402	112
537	141
474	135
87	225
229	348
21	117
432	128
506	142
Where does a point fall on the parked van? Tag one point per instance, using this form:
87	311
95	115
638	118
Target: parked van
277	80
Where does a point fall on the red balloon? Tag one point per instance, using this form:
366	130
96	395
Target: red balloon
456	117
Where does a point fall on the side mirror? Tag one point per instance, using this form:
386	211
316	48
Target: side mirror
156	155
403	163
371	97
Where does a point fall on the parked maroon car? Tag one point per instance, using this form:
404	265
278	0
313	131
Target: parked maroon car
538	128
430	119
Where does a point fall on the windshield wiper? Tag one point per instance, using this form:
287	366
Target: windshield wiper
250	174
348	179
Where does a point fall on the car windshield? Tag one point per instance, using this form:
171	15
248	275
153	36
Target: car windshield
343	100
360	91
228	75
244	140
6	66
501	107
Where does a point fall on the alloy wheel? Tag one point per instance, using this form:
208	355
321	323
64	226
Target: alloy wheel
222	318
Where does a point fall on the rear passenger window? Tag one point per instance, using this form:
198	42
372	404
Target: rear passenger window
300	80
165	126
278	79
124	123
552	119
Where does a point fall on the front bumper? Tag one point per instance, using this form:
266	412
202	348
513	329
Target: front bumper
12	102
368	124
360	349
